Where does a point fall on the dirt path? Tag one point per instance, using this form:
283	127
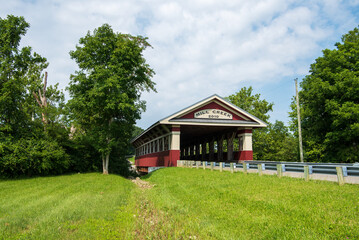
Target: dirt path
153	223
142	184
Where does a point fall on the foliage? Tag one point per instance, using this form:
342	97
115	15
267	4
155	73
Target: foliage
106	90
251	103
35	134
25	148
32	157
20	71
273	143
83	156
329	102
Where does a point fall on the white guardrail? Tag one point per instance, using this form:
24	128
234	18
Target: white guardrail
342	173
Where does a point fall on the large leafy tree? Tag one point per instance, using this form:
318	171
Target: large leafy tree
329	102
107	88
25	148
20	71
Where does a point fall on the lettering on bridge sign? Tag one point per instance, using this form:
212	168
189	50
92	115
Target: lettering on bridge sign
213	114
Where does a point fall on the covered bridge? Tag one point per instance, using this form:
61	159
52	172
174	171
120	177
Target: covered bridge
210	130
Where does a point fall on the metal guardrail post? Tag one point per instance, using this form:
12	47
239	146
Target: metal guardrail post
340	175
260	166
212	166
204	164
221	166
231	165
245	170
279	170
307	172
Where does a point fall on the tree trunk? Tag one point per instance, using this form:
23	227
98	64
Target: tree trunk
42	101
106	159
105	164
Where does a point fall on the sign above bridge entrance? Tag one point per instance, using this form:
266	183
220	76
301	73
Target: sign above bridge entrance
213	114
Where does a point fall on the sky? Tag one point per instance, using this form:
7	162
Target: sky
199	47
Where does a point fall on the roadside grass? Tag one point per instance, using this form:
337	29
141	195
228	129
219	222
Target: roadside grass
79	206
182	204
200	204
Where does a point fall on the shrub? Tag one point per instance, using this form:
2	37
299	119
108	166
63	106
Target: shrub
32	157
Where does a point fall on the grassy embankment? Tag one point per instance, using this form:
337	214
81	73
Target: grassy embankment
183	204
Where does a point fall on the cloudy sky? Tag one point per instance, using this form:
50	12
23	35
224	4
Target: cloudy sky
199	47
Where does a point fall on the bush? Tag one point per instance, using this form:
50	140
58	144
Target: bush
32	157
84	157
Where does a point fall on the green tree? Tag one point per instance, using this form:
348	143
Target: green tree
273	143
329	101
276	143
25	149
20	71
251	103
256	106
107	88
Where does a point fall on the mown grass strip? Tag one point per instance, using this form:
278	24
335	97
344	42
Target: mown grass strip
182	204
80	206
221	205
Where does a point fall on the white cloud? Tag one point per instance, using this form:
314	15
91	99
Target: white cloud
200	47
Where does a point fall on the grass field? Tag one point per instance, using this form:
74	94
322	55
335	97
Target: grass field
79	206
182	204
215	205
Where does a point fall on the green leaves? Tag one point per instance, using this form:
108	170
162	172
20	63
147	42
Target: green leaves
32	157
251	103
106	91
275	143
330	103
272	143
20	71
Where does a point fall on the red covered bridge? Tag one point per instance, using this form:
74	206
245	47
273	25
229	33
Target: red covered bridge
210	130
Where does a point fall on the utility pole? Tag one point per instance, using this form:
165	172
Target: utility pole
299	126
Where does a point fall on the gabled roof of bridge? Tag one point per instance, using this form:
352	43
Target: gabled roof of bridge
240	118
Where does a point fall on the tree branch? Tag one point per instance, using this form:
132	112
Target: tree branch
37	98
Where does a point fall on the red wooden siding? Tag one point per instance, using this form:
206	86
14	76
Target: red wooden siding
159	159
